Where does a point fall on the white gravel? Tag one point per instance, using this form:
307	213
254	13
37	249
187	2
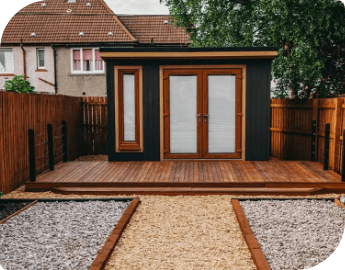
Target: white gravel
58	235
295	234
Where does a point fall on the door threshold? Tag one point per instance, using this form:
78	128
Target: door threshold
204	159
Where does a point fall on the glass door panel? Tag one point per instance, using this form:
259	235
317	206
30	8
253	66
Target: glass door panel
221	114
129	107
183	111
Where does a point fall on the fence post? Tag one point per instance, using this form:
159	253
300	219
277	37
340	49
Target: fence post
326	150
50	146
313	139
316	117
32	161
337	133
343	163
64	141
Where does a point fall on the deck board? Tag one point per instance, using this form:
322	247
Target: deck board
190	171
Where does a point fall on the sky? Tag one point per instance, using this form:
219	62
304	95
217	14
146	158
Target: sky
137	7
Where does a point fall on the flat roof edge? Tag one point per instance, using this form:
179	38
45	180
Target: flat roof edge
188	49
182	54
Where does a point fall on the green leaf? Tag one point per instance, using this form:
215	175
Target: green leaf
19	85
315	28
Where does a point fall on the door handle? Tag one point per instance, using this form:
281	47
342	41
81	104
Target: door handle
198	115
205	117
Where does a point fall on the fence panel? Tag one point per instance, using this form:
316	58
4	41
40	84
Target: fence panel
73	116
95	126
21	112
291	128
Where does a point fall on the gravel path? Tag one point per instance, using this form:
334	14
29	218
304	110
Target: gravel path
182	232
58	235
178	232
295	234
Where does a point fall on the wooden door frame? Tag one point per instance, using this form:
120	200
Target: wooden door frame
166	116
161	81
238	113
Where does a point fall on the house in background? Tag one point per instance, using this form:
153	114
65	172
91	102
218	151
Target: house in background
55	43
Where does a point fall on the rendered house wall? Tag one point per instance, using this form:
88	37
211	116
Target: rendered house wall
77	84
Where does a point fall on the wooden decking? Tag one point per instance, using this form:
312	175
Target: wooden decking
190	171
273	177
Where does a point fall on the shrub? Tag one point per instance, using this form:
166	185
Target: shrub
19	85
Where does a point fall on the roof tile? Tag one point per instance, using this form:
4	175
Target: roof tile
53	24
146	27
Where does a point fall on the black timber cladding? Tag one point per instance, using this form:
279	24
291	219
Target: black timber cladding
257	127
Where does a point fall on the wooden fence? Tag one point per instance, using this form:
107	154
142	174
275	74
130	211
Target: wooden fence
21	112
291	129
87	124
95	126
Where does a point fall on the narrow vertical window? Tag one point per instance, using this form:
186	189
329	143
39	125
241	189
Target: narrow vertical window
40	59
76	60
6	61
128	109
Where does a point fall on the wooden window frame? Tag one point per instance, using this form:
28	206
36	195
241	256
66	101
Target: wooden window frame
120	144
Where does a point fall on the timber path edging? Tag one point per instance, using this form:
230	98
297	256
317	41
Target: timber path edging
248	235
17	212
106	251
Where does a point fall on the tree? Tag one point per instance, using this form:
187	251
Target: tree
309	34
19	84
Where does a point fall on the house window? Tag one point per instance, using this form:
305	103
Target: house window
40	59
6	61
98	61
128	109
86	61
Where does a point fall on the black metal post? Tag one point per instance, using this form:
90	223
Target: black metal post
326	159
343	165
64	141
32	161
313	139
50	146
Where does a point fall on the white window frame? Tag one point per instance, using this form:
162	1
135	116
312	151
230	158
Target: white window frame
37	58
81	71
12	71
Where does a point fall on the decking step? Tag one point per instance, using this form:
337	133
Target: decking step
185	191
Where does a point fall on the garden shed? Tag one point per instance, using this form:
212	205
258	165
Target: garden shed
188	103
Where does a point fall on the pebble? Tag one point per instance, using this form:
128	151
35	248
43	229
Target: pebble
58	235
295	234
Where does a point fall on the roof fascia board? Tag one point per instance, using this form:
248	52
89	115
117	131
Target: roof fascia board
190	55
117	20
